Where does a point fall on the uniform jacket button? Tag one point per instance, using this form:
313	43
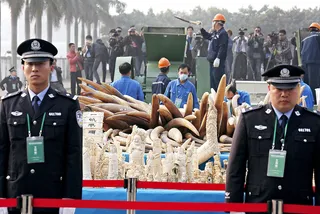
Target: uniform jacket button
34	122
54	123
249	193
305	140
8	177
14	123
61	178
32	171
259	137
279	187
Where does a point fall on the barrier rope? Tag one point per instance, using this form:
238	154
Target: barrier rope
171	206
166	206
157	185
12	202
103	183
180	186
138	205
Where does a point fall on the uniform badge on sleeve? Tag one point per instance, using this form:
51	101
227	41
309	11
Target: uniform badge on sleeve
79	118
227	195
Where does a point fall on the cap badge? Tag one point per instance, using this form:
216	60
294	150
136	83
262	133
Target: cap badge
285	73
35	45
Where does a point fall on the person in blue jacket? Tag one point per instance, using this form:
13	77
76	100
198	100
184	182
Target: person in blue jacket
126	85
217	49
244	96
178	90
307	92
310	57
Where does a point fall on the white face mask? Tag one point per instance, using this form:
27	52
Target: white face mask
183	77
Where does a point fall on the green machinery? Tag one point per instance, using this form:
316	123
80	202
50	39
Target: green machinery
300	35
169	42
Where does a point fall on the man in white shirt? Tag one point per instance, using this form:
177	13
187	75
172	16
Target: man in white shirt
240	60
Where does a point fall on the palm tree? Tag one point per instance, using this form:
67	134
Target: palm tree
98	10
16	8
54	16
27	20
69	10
36	9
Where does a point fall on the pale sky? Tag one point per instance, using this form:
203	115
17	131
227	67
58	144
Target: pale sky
144	5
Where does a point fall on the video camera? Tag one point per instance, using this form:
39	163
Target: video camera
197	36
201	45
274	37
242	30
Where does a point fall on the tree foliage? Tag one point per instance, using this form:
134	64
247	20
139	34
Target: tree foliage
268	18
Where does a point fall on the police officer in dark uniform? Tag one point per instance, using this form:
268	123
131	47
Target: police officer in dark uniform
40	138
12	82
279	144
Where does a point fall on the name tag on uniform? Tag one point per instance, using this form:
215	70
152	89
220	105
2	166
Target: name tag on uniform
14	87
276	163
35	150
178	102
54	113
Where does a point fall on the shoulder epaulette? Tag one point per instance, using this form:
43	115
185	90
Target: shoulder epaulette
11	95
252	109
313	111
67	95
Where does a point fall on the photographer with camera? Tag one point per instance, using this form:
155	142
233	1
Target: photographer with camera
116	46
270	50
75	66
240	60
255	54
283	49
133	47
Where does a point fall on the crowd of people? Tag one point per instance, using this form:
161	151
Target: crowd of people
274	152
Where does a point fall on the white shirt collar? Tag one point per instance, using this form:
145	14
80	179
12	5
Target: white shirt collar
279	114
40	95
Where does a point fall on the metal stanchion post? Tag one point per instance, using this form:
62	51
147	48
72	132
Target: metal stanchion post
132	192
24	204
275	207
29	205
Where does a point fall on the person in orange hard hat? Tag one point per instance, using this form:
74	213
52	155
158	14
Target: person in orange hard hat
315	25
217	50
310	57
160	84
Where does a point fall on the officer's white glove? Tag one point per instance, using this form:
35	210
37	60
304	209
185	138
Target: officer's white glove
237	213
216	63
67	210
3	210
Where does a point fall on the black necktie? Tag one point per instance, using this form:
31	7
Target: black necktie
35	104
284	120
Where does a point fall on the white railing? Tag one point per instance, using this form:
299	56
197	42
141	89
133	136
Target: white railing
5	65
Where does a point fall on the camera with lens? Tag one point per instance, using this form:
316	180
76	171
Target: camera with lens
242	30
115	34
274	37
197	36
